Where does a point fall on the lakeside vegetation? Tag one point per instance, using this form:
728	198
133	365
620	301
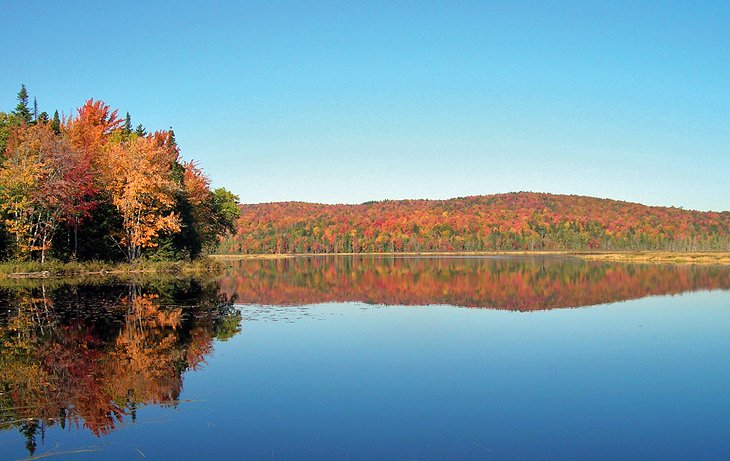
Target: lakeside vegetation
89	188
82	271
659	257
523	221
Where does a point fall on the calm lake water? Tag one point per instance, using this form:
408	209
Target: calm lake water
372	358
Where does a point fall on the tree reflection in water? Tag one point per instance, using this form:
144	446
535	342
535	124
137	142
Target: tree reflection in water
90	355
516	283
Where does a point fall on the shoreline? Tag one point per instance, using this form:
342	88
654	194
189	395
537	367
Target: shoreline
657	257
19	270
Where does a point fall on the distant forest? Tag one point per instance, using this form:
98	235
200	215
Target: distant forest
90	186
514	221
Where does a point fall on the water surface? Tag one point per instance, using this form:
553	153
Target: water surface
373	358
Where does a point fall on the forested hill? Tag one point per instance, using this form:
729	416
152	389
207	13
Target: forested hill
514	221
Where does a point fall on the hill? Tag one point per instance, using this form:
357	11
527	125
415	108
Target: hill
513	221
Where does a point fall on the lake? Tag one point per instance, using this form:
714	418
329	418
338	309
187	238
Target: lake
365	357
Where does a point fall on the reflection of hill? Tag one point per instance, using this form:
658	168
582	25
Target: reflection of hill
89	356
522	284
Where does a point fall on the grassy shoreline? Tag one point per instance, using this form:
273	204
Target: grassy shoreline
663	257
56	269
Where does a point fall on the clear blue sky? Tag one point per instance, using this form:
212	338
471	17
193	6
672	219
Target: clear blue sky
339	102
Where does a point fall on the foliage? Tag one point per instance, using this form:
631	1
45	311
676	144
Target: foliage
137	177
22	111
35	184
56	123
515	221
7	124
87	187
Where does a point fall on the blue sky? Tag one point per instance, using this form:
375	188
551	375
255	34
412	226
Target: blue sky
338	102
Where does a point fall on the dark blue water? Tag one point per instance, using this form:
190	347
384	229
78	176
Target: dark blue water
646	378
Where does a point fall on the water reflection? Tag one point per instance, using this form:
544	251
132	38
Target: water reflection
89	355
523	283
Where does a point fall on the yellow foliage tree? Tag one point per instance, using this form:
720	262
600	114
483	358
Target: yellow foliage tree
35	186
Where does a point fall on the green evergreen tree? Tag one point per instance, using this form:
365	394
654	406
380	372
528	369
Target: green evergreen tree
56	123
21	110
140	131
127	124
35	109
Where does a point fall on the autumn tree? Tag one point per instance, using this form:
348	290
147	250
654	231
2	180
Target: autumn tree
89	132
82	196
91	128
35	185
6	127
137	177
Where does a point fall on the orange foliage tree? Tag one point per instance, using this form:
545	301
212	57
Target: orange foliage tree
137	176
89	132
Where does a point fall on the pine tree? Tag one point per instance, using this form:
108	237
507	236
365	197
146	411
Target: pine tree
127	124
140	131
35	109
56	123
21	110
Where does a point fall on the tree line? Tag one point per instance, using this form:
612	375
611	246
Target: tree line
502	222
89	186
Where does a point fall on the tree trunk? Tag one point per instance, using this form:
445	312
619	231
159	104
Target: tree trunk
43	249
